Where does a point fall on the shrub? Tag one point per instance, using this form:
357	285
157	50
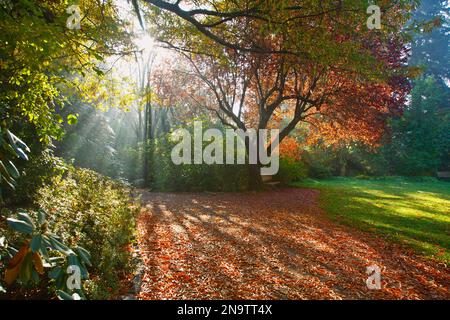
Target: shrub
94	212
167	176
318	163
38	172
291	170
32	248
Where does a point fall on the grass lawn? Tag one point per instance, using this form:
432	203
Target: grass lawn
410	212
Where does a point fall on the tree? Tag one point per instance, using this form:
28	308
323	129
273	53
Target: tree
40	58
420	138
430	47
231	23
342	99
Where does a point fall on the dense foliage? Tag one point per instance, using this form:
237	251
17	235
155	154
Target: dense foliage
95	212
87	210
421	138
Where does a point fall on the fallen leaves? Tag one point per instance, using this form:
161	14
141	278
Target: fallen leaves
272	245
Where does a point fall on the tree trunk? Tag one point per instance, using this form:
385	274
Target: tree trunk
343	161
147	137
343	170
255	182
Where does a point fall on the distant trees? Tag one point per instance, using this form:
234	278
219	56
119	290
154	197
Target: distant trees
430	48
421	137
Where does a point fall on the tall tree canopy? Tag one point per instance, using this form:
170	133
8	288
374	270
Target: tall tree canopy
421	137
309	61
40	56
40	60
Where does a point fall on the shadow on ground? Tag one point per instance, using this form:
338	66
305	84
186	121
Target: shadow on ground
270	245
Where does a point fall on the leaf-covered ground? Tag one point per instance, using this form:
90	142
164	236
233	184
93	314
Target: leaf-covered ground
270	245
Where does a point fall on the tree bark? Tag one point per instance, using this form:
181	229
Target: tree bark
343	161
255	182
147	137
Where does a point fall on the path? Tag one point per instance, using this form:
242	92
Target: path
271	245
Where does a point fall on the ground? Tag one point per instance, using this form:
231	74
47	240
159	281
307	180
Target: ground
406	210
270	245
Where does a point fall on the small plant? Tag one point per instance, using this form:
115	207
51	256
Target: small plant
40	250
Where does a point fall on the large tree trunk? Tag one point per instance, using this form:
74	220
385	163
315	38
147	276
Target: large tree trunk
255	182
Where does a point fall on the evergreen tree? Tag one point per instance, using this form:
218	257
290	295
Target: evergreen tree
430	48
420	138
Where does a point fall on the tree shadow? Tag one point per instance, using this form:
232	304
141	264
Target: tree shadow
272	245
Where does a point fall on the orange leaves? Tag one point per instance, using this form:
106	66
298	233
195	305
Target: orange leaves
17	263
37	262
14	265
290	148
270	245
11	274
18	258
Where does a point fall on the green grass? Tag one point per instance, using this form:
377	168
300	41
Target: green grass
412	212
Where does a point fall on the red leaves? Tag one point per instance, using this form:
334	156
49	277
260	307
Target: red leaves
276	245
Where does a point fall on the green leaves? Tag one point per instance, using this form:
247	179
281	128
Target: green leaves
72	119
55	273
23	224
10	147
41	217
57	245
6	175
20	148
98	71
20	226
12	169
25	218
36	243
73	260
29	262
84	255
